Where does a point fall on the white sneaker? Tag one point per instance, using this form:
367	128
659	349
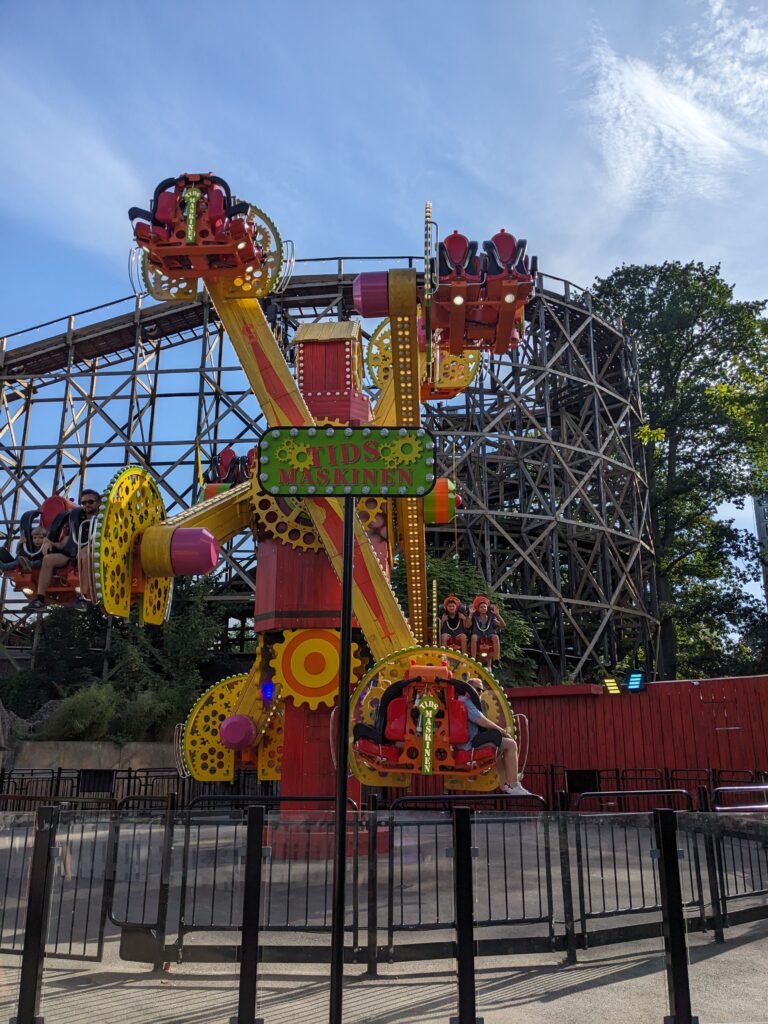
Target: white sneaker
517	790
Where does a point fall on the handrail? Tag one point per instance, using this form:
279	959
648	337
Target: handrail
145	799
268	801
626	793
756	808
457	798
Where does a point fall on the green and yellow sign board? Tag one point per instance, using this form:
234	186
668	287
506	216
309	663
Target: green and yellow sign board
394	462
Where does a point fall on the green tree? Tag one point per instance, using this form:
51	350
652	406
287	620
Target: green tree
702	366
159	671
152	676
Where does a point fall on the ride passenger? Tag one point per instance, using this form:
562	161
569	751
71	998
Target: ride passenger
27	558
59	554
453	627
482	731
484	623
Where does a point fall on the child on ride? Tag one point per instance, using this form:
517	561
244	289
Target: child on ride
27	558
453	629
484	622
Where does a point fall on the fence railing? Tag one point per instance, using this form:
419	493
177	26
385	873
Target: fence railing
556	786
167	883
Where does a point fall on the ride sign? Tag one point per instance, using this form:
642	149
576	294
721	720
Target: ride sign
428	708
347	461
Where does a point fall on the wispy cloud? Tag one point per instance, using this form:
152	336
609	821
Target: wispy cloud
55	158
683	128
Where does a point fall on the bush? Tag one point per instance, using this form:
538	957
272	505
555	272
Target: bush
88	714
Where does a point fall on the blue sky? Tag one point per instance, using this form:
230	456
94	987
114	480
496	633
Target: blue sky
604	132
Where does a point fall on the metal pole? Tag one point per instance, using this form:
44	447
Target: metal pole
342	762
249	947
38	906
675	952
464	900
165	881
565	877
373	886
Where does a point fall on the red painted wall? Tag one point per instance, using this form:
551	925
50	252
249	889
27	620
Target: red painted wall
714	723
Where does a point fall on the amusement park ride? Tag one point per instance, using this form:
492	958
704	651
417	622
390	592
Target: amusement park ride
405	714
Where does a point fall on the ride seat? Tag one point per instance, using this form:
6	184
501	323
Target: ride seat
457	258
216	211
165	210
506	255
458	722
458	729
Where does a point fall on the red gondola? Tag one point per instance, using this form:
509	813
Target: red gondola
194	227
420	726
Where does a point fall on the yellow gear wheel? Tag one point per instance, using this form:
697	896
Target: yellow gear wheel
378	356
165	288
286	521
131	504
295	454
457	371
401	451
206	756
369	691
270	749
259	281
306	665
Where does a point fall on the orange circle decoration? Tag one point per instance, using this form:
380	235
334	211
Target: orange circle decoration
306	665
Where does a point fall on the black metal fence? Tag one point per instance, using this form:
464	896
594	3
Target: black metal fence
167	883
118	785
557	786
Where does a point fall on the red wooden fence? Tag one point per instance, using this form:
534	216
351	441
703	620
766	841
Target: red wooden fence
712	723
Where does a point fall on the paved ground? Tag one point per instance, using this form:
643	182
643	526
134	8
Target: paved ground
618	984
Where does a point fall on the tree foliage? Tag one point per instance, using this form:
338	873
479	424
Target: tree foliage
702	366
151	678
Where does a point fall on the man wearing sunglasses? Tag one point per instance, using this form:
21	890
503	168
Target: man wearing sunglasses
61	553
482	731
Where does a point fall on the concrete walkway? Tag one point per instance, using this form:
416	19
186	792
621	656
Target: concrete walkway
617	984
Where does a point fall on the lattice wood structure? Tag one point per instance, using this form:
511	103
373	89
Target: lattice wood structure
542	446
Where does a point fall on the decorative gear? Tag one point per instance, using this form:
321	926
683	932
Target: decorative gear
132	503
457	371
295	454
378	356
164	288
365	701
306	665
259	281
205	755
270	749
401	451
286	521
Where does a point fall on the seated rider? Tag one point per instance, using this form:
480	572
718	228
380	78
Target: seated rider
27	558
484	621
453	626
482	732
57	555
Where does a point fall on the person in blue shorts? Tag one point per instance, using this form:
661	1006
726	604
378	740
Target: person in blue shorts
482	732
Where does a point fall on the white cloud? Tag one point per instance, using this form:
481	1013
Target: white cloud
684	128
656	141
61	175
